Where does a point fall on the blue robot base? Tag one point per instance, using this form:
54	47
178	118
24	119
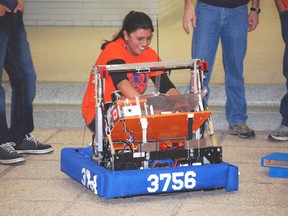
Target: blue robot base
77	163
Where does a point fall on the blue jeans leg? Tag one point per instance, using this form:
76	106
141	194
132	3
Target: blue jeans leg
19	67
230	26
206	36
4	36
234	46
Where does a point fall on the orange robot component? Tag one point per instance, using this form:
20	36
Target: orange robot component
159	126
163	126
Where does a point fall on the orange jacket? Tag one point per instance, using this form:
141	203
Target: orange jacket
116	50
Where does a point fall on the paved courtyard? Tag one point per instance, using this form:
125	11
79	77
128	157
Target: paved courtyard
38	187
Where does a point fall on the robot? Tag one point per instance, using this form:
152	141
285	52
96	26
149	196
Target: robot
164	143
154	130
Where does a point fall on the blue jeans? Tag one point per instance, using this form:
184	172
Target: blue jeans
284	101
230	25
15	58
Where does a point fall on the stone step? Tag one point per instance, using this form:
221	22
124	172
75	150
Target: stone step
58	105
69	116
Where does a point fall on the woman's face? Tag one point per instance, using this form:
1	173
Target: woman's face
138	41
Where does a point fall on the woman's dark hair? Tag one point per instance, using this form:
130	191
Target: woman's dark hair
134	20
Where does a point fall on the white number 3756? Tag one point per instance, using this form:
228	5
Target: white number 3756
177	180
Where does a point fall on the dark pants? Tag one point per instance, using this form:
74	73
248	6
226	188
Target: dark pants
15	58
284	28
284	110
284	101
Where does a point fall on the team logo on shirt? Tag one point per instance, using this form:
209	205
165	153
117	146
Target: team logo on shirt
139	81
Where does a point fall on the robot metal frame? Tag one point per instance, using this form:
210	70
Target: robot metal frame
151	144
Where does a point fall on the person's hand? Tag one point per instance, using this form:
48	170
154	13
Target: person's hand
19	7
252	21
3	10
188	19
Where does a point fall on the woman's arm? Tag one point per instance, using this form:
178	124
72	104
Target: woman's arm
127	89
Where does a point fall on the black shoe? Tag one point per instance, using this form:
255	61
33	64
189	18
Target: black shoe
30	145
8	155
242	131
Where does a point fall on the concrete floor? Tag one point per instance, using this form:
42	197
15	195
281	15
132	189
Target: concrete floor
38	187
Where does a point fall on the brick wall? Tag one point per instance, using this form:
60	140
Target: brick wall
92	12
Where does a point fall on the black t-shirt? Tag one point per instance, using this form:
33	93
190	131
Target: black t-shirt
11	4
226	3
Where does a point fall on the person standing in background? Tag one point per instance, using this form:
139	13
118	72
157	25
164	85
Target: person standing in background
15	58
281	133
228	21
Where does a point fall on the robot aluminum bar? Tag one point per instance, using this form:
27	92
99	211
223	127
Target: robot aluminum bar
98	111
151	66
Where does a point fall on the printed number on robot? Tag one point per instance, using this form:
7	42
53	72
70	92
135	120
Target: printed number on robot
89	181
176	180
